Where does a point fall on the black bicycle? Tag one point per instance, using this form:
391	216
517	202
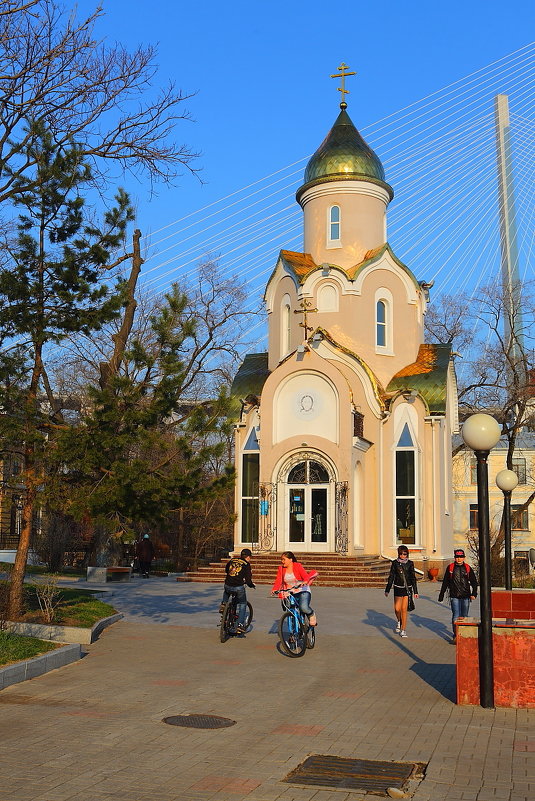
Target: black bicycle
229	618
295	632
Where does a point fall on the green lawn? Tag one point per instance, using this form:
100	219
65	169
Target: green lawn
16	648
77	608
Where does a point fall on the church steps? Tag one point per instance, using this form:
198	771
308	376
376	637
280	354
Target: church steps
334	570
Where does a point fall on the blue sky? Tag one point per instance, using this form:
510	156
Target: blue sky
261	72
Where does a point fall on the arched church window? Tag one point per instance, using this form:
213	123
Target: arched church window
334	225
286	316
405	488
384	335
381	324
308	472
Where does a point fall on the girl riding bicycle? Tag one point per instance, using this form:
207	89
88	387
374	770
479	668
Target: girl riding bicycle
291	573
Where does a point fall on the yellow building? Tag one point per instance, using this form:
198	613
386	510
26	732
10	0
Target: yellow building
465	498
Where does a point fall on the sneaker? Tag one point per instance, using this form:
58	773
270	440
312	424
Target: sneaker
221	608
240	630
402	633
398	628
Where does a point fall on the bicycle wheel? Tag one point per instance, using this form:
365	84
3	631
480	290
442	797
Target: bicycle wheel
226	616
311	636
248	616
292	635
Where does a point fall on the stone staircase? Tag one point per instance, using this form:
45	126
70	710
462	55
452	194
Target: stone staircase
334	570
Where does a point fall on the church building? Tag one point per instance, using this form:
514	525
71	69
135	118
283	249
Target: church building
343	443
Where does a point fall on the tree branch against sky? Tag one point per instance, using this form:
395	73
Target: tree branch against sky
54	70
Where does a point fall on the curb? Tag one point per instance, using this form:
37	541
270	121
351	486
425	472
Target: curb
22	671
66	634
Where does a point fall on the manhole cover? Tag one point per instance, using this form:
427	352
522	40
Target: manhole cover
355	774
199	721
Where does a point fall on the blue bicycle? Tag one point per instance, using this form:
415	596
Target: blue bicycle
295	632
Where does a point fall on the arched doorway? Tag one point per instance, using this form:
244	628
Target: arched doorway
308	505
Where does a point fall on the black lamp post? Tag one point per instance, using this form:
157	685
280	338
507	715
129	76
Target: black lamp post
481	432
507	480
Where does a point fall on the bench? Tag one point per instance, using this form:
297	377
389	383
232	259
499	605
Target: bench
103	574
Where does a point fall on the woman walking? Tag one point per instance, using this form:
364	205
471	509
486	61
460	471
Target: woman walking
290	574
403	577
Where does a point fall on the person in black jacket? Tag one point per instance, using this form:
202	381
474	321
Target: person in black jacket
461	583
403	577
238	574
145	554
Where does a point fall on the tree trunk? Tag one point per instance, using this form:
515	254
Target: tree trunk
110	369
19	569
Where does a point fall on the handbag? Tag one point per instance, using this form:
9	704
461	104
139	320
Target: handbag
410	605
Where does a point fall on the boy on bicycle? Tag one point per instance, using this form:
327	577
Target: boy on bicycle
238	574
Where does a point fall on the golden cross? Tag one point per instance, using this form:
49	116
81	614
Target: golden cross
343	75
304	310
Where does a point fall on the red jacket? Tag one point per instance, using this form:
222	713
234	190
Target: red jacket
299	572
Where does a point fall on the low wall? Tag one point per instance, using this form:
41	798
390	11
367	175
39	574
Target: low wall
514	604
514	663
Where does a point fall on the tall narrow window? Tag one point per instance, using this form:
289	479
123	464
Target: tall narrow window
381	324
384	321
249	489
334	224
406	488
286	316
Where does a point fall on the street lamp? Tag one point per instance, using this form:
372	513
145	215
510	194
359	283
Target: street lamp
507	480
481	432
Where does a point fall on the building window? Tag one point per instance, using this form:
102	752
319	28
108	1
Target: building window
384	335
250	497
473	471
286	317
381	324
519	467
334	226
308	472
405	489
519	517
474	517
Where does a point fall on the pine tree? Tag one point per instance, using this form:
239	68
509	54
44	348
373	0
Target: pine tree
144	448
54	283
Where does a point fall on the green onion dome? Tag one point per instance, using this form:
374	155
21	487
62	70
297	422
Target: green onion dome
343	155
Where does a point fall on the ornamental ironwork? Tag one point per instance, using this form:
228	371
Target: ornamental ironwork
340	531
267	517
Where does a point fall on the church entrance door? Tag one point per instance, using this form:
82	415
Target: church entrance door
308	519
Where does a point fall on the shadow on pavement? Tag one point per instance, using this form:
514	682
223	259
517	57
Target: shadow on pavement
440	676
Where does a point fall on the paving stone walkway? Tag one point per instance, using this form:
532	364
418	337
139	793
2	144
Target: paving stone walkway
93	731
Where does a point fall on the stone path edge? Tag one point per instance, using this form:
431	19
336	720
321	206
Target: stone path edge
66	634
22	671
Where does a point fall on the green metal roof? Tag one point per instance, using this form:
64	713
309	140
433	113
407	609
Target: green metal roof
251	376
343	154
428	375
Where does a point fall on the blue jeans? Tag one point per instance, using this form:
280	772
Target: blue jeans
303	601
241	597
459	608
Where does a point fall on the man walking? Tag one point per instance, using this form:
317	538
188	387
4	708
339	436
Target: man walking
461	583
145	554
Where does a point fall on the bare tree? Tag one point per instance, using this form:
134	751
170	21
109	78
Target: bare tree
55	72
498	373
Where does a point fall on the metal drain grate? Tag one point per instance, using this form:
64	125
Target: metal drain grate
199	721
355	774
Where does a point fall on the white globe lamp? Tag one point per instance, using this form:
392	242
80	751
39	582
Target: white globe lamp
481	432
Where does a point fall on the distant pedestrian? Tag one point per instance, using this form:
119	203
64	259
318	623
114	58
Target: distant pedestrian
145	555
403	577
461	584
